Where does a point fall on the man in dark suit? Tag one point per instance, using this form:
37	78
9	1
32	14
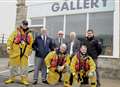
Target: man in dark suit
59	40
73	45
42	46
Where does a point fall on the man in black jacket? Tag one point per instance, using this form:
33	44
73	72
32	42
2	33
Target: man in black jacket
42	46
94	49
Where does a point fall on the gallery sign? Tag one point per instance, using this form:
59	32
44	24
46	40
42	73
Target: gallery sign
63	7
82	5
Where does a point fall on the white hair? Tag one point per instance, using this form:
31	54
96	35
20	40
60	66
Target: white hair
63	45
73	33
60	32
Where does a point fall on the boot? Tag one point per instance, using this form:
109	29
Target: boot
67	84
10	80
93	81
24	80
93	85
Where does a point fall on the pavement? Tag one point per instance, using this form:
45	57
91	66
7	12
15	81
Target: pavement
4	74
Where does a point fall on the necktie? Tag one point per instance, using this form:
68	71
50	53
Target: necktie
44	40
60	41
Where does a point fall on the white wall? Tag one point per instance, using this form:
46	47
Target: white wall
7	16
32	2
46	9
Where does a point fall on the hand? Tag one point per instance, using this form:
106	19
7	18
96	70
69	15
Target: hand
61	68
8	50
48	70
75	76
91	74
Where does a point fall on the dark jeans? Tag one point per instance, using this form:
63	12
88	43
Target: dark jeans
97	72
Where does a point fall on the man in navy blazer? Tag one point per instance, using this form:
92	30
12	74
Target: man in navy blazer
42	46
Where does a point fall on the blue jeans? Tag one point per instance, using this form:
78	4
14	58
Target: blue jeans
40	65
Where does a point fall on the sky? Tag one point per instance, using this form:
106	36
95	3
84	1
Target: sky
31	2
7	16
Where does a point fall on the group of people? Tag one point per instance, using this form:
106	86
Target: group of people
69	60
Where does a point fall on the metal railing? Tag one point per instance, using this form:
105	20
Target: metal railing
3	38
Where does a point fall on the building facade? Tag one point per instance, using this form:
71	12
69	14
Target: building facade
103	16
80	15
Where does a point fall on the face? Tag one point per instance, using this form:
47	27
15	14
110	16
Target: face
24	26
83	49
72	36
89	34
44	31
62	49
60	35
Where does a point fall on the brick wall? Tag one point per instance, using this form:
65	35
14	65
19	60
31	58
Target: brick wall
109	67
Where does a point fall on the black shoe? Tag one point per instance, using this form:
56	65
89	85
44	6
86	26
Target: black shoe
35	82
60	80
85	80
45	82
98	85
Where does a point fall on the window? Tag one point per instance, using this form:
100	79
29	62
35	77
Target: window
102	24
76	23
37	21
35	31
54	24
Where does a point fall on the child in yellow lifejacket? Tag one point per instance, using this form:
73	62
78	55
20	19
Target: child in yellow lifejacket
83	65
58	61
